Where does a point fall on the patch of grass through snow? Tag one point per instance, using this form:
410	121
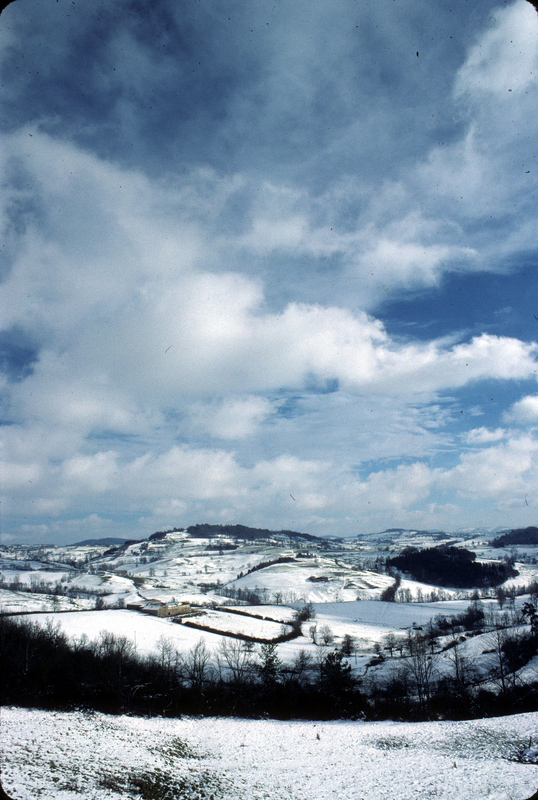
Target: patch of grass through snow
158	784
389	743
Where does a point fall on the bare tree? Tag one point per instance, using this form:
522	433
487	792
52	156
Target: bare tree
421	669
390	642
167	653
464	671
302	667
326	635
500	672
235	659
197	666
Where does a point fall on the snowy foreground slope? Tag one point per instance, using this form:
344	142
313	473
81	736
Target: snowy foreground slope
75	755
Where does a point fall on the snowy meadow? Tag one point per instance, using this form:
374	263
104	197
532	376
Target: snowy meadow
98	757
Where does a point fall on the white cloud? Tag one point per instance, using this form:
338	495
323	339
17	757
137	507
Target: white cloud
482	435
495	471
96	473
15	475
505	58
158	308
524	411
184	473
395	489
133	317
233	418
97	235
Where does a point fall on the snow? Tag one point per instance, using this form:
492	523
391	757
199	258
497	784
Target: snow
223	622
98	757
23	602
275	613
143	630
367	621
293	581
404	615
64	756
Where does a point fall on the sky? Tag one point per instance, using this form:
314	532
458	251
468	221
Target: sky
267	263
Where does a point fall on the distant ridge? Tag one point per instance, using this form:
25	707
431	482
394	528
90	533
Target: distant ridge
107	540
413	530
209	531
245	532
517	536
389	533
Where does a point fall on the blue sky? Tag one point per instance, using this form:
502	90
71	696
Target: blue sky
267	263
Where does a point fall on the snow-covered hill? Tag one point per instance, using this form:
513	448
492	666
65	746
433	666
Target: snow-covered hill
218	568
95	581
67	756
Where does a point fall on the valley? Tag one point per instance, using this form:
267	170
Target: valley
245	585
212	635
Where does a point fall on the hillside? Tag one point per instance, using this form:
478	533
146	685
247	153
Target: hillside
517	536
451	566
104	758
317	601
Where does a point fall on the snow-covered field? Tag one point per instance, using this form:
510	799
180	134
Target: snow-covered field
143	630
224	622
74	755
367	621
24	602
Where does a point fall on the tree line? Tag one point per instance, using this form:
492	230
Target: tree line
451	566
41	667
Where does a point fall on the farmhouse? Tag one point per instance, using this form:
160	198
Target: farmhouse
160	609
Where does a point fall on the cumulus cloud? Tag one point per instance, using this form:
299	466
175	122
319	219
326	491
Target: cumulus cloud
478	436
201	252
494	471
506	56
232	418
524	411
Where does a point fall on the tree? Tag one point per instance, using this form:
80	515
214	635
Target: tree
349	645
237	659
326	635
336	682
167	654
529	611
390	642
336	670
405	595
197	667
464	671
305	613
388	595
301	668
451	566
500	671
270	665
420	666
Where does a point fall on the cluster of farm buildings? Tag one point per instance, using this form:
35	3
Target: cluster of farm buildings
160	609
